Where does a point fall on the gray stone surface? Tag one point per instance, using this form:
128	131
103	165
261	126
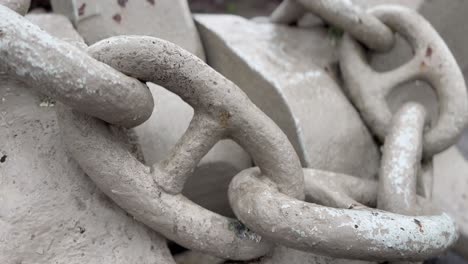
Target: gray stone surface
166	19
451	191
50	211
293	82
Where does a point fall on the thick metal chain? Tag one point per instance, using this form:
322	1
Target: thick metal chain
268	199
64	72
343	14
432	62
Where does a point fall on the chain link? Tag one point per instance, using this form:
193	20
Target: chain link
266	199
343	14
432	62
67	73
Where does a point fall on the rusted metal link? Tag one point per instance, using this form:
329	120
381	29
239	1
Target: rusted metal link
343	14
432	62
66	73
19	6
152	195
341	233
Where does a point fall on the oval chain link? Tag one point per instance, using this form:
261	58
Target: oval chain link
432	62
63	72
266	200
343	14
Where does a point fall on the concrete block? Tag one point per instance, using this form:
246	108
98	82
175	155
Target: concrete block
289	73
166	19
451	191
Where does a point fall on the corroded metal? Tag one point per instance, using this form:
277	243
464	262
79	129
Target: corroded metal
432	62
222	110
66	73
343	14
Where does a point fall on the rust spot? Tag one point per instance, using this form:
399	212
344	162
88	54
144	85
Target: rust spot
151	2
418	223
81	9
422	66
122	3
3	158
224	118
117	18
429	52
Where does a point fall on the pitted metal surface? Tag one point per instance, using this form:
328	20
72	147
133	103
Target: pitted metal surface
336	223
51	212
432	62
401	161
221	110
66	73
343	14
341	233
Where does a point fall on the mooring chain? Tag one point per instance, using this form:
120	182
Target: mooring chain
432	63
64	72
104	87
363	26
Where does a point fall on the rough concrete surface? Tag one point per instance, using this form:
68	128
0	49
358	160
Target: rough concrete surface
167	19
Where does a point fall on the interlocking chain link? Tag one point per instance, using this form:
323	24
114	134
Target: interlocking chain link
432	62
401	161
152	195
266	199
64	72
343	14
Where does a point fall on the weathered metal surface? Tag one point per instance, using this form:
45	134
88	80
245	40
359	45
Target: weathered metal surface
221	110
50	211
401	161
341	233
168	122
210	180
298	92
166	19
343	14
432	62
68	74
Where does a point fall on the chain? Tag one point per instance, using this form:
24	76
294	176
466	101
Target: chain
343	14
69	74
103	87
432	62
